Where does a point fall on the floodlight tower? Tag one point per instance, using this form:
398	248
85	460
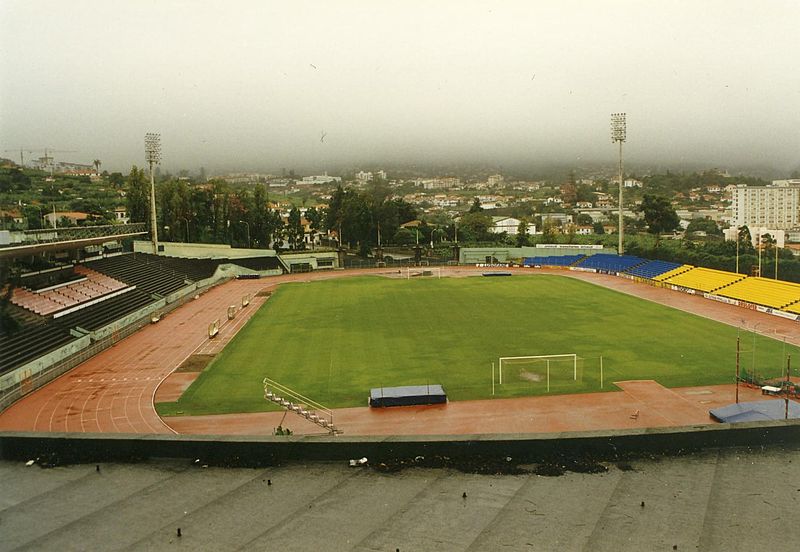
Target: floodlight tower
618	134
152	150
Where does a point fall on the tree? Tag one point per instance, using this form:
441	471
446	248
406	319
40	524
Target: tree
33	216
137	195
294	229
745	239
704	225
597	227
475	227
523	239
659	215
476	206
97	164
116	179
314	219
584	219
549	230
404	236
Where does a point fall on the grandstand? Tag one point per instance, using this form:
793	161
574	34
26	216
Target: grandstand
36	338
552	260
670	273
146	272
95	316
651	269
704	279
761	291
84	285
606	262
56	304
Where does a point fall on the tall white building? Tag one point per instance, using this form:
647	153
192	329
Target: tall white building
775	206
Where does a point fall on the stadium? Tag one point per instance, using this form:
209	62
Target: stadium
206	340
131	371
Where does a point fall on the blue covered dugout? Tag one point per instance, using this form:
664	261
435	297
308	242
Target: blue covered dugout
756	411
407	395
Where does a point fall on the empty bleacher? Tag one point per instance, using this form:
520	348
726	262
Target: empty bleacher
35	338
651	269
100	314
190	269
704	279
552	260
674	272
610	263
762	291
257	263
146	272
90	286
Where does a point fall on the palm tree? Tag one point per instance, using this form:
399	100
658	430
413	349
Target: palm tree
97	164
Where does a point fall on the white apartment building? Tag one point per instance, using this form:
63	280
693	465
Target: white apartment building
776	206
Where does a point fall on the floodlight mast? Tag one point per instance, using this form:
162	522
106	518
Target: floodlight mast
152	150
619	134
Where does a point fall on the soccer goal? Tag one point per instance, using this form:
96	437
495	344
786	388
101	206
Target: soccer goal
538	361
419	272
561	372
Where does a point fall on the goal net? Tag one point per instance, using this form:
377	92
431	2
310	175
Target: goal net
548	373
423	272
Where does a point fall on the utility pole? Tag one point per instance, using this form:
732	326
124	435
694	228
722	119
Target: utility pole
152	150
619	134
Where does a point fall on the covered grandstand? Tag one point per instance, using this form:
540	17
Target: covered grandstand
57	305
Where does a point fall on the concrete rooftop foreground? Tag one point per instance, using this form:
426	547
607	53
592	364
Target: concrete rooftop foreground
732	499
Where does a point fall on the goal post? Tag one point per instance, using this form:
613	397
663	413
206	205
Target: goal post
419	272
535	374
506	361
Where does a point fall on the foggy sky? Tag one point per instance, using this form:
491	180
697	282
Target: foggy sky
254	85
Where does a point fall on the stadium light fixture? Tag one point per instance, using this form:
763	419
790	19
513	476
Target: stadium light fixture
619	134
152	151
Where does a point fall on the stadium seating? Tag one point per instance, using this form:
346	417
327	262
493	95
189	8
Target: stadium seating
100	314
610	263
189	269
795	308
762	291
704	279
91	286
31	342
651	269
674	272
257	263
146	272
552	260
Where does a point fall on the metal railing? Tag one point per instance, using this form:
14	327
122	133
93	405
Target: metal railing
68	233
307	408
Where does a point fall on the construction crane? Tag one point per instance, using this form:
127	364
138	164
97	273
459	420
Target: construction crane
47	158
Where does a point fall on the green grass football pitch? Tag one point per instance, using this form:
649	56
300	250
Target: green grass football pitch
334	340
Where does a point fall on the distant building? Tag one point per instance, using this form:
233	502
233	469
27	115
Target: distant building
320	179
121	215
632	183
442	183
776	206
563	218
509	225
780	236
495	179
12	216
74	217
